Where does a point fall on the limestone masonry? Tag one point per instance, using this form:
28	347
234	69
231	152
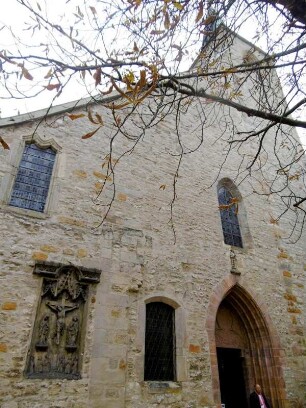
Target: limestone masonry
75	292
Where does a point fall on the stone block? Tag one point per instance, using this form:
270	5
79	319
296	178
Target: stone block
82	253
3	347
9	404
9	306
39	256
81	174
194	348
103	374
102	176
287	274
71	221
289	296
49	248
68	251
121	197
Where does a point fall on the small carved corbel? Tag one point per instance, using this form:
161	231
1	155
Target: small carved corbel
233	259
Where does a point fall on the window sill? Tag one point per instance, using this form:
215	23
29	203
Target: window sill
23	212
163	387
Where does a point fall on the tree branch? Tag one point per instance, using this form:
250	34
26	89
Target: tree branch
227	102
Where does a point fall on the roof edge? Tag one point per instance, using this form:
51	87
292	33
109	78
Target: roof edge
80	103
38	114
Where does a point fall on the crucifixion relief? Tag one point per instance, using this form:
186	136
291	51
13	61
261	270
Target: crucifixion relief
60	310
58	334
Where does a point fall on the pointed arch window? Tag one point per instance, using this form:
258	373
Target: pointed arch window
159	342
229	219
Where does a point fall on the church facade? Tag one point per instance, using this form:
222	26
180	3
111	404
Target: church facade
153	307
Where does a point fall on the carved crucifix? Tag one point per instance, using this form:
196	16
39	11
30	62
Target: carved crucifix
60	310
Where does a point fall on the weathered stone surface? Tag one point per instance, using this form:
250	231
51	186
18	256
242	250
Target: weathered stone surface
135	251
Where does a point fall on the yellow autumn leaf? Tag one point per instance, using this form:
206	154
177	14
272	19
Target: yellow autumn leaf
76	116
110	90
51	87
97	76
88	135
178	5
200	12
157	32
273	221
99	118
230	70
294	177
92	120
4	144
49	74
135	48
209	20
129	77
118	120
167	21
234	95
26	74
142	81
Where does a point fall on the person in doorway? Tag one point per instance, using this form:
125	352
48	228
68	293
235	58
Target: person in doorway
258	399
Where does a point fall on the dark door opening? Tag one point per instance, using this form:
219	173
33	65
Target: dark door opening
232	385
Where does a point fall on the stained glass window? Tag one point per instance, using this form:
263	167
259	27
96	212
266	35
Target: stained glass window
229	219
159	343
30	190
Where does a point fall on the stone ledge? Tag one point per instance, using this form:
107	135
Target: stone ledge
163	387
23	212
51	269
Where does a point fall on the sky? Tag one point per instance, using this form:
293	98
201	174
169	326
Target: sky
16	20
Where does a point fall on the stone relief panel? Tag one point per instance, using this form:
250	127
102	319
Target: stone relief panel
60	324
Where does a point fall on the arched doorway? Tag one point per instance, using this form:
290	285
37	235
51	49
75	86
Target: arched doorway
232	348
244	349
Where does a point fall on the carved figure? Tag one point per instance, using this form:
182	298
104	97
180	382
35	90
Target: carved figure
46	363
233	262
61	363
72	332
68	366
43	331
74	365
60	311
39	364
32	365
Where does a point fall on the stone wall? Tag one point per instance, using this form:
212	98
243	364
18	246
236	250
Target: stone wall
140	259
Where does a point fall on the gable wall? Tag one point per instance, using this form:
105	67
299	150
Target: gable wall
135	250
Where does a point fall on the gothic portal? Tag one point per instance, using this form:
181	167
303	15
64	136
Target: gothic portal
246	351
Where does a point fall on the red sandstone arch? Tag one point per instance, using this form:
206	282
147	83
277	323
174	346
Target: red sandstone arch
264	364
